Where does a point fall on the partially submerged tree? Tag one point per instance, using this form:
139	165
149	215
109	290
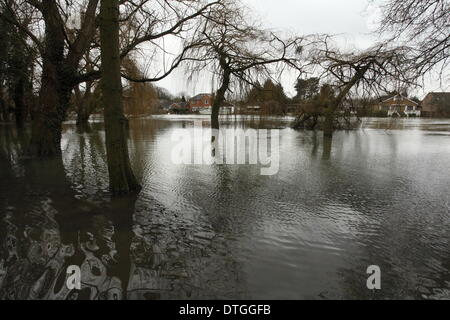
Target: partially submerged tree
63	45
19	74
121	176
122	179
60	63
16	67
86	101
87	96
369	72
238	52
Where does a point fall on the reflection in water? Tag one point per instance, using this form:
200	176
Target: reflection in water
327	144
46	227
374	196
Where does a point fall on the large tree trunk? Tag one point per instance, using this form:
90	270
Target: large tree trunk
121	177
328	126
327	144
49	116
46	128
19	101
3	108
219	99
58	75
332	108
82	116
47	124
83	104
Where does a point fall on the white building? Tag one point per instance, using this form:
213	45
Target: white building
400	106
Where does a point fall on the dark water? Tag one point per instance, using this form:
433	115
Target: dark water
375	196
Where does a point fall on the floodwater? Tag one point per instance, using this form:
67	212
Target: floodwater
379	195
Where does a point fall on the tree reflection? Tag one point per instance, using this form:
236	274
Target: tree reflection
327	144
58	213
46	227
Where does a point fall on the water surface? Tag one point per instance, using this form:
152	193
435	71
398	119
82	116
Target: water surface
378	195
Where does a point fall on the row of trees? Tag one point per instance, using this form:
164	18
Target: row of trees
16	72
70	55
418	43
63	48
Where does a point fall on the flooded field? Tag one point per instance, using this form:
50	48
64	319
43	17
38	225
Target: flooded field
379	195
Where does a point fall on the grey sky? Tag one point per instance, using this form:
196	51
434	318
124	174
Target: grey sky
352	20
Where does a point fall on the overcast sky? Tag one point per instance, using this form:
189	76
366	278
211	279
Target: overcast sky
353	20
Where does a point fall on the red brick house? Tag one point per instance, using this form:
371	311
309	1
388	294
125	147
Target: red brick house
200	101
436	104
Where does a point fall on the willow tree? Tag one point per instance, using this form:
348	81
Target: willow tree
424	27
139	98
62	49
368	72
122	179
238	52
63	45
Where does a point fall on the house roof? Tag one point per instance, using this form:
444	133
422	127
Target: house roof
180	105
399	100
200	96
441	98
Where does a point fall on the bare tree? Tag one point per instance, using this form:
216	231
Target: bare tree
60	61
16	68
87	96
86	101
62	47
422	25
145	25
238	52
368	72
121	176
122	179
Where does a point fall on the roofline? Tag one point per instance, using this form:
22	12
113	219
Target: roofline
201	94
400	96
435	93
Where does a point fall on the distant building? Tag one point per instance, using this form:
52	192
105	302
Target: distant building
253	108
201	101
180	107
400	106
227	108
436	104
